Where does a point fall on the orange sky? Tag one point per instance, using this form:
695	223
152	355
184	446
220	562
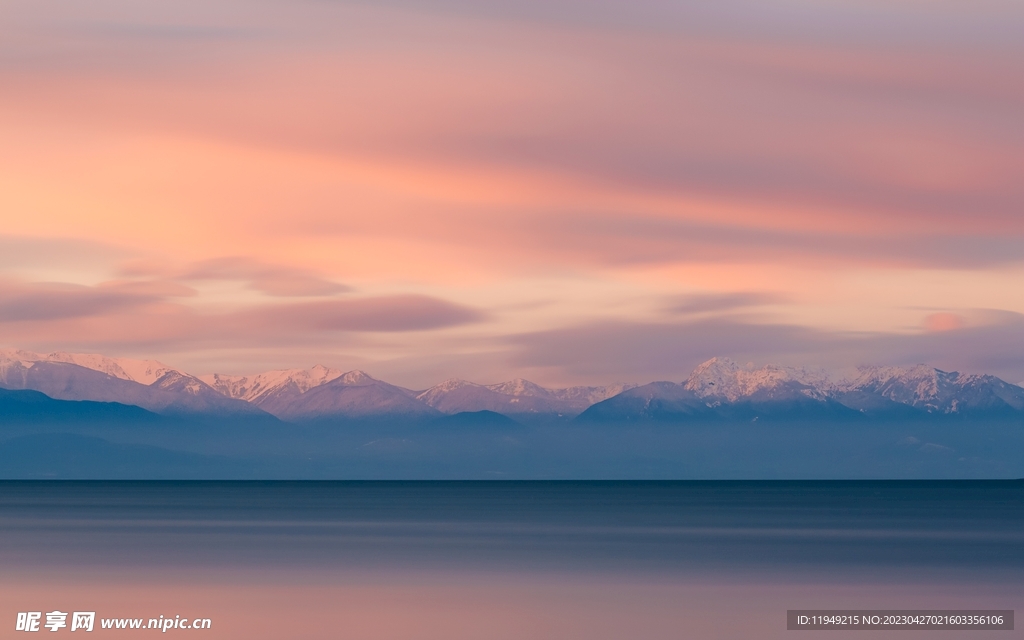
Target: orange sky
567	192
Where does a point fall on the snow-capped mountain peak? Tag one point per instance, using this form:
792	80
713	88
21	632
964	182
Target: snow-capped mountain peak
356	377
724	379
514	397
932	389
144	383
142	371
257	387
181	383
916	383
583	397
320	391
520	387
436	393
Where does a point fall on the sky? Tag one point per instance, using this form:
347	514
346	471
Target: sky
571	192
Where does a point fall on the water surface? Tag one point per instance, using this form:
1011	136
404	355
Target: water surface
508	559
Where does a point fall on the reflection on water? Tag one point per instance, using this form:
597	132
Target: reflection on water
515	559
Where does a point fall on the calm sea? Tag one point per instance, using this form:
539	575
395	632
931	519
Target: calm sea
510	560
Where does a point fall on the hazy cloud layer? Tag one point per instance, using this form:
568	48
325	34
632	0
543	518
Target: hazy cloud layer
56	301
720	302
648	352
34	252
270	279
152	313
863	133
380	314
370	176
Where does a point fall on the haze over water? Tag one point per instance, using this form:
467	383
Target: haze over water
508	559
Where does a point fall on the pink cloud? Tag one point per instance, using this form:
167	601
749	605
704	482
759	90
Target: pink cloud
864	150
273	280
299	149
938	322
151	313
43	302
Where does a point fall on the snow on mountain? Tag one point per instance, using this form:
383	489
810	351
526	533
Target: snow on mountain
172	393
449	396
351	395
177	382
357	378
320	391
279	393
141	371
455	396
578	398
583	397
514	397
720	390
655	401
869	389
520	387
155	386
148	384
907	385
723	380
261	386
933	390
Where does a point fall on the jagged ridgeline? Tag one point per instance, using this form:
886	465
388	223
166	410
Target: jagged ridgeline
722	389
718	387
141	418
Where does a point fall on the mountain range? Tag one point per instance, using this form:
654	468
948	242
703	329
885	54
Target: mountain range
142	383
717	389
722	388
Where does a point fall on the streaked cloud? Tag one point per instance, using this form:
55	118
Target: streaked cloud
158	314
57	301
378	314
720	302
652	351
544	184
270	279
